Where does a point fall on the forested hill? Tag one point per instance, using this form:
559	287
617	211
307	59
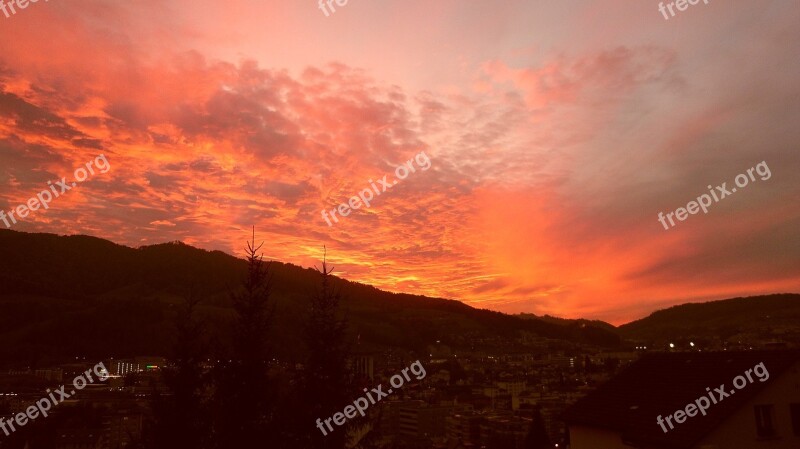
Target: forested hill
90	297
763	315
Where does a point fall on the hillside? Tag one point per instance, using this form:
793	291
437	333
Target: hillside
86	296
770	316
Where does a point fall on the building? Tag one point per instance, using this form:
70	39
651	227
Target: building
504	429
55	375
391	422
123	367
465	427
363	366
121	426
418	419
629	410
563	361
513	386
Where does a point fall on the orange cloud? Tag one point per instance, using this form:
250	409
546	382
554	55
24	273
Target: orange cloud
548	169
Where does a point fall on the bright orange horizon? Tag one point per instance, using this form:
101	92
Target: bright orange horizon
556	134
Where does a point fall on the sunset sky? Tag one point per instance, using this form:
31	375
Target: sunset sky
556	130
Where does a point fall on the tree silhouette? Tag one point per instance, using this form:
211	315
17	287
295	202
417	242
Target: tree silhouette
327	385
243	398
537	437
181	417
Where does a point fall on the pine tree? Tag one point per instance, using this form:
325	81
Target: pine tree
243	397
181	418
327	383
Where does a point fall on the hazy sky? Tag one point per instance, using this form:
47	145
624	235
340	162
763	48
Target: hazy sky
556	130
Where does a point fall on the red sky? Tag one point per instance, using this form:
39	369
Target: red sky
556	134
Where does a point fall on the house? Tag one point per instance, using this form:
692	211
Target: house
753	407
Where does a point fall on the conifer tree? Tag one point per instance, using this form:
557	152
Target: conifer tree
327	383
244	401
181	418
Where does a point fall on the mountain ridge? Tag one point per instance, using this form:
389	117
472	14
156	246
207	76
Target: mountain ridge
86	295
769	316
55	287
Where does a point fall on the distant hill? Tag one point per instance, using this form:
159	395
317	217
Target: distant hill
569	322
588	326
768	316
84	296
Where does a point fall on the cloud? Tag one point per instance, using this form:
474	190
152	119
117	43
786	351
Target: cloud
550	161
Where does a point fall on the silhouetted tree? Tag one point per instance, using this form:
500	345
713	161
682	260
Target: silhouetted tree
537	437
243	399
326	377
181	417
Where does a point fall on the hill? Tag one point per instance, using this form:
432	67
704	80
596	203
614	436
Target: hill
87	297
770	316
